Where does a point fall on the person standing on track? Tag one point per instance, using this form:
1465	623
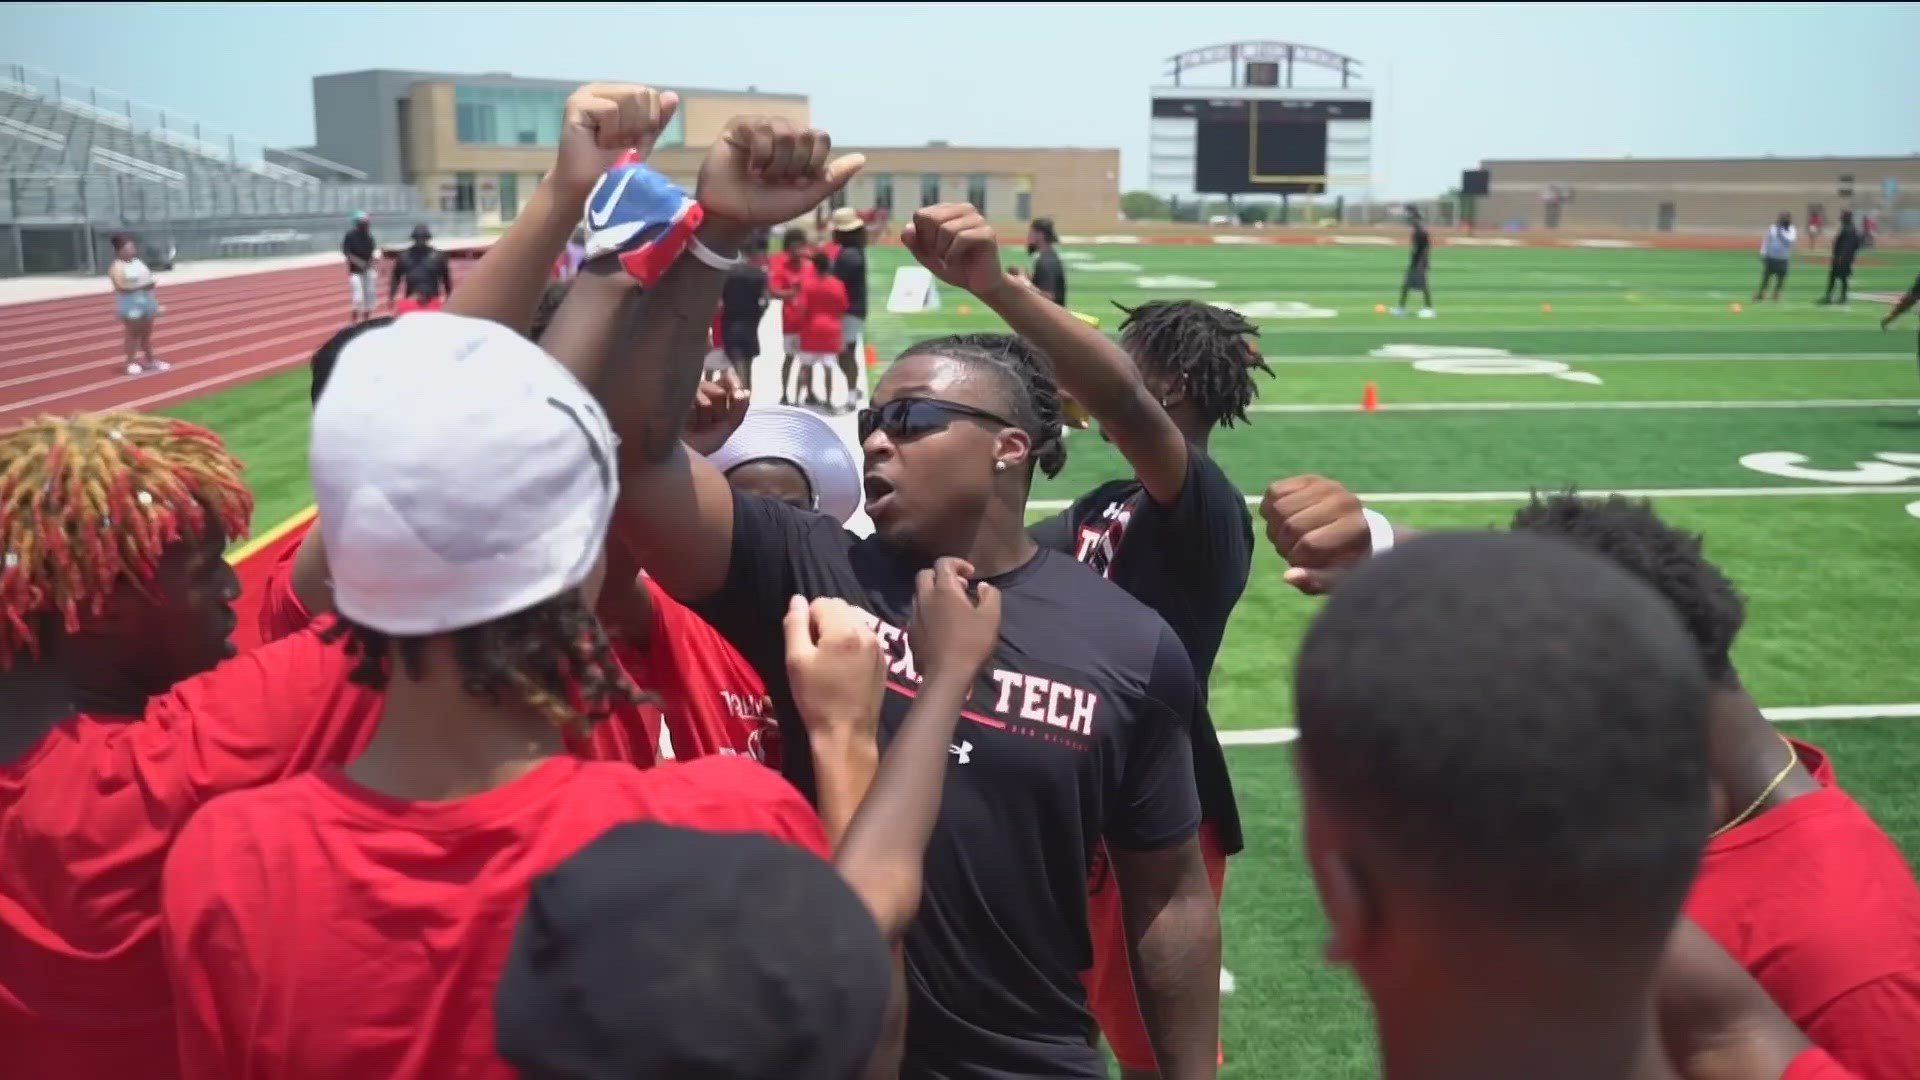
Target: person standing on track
1846	244
135	304
850	266
1776	248
1417	266
363	260
422	269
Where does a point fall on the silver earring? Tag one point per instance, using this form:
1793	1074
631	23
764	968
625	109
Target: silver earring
999	466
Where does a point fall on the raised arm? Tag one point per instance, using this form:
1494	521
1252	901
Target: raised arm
643	355
961	249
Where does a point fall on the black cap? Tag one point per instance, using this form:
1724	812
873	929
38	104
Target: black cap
658	952
421	232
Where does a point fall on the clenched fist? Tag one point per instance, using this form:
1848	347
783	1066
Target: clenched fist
953	633
1315	524
602	121
955	242
837	671
765	171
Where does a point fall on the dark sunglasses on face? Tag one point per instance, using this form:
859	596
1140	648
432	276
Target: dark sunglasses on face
912	417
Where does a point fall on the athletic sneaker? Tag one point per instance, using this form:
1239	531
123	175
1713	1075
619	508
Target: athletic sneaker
1426	313
640	216
1397	312
134	369
159	365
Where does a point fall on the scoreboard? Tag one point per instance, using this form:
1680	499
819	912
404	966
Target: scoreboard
1261	140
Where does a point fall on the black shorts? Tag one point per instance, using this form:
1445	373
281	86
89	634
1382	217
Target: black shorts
1416	278
1775	267
1841	271
740	341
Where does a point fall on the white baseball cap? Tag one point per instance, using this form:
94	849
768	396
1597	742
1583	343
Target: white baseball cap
804	440
461	474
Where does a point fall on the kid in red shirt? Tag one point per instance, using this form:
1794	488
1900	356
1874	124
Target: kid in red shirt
114	736
403	872
822	304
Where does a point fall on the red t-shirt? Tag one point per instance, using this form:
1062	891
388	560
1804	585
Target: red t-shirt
330	931
1817	1064
783	274
86	817
281	612
823	300
715	703
1818	905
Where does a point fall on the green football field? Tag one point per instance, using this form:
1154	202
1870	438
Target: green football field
1788	433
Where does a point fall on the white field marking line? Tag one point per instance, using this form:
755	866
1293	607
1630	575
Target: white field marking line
1629	493
1279	736
1574	406
1607	358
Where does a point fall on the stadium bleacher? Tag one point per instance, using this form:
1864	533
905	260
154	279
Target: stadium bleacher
93	161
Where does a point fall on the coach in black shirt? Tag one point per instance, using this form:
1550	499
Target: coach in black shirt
1049	275
1846	244
1076	733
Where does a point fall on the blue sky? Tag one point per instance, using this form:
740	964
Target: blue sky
1456	82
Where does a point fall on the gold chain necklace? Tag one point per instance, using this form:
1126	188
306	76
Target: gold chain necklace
1793	758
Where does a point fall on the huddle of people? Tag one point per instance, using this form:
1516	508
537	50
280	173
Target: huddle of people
588	743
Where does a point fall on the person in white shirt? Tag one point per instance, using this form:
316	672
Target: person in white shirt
135	304
1775	249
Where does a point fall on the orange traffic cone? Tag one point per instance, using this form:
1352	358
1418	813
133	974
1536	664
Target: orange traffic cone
1370	397
873	358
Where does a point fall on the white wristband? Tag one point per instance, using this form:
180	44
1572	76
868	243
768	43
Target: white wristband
711	257
1380	529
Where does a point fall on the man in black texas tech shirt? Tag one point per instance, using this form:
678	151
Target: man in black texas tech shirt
1074	735
1176	535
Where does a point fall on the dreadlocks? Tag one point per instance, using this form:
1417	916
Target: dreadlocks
1203	347
1028	376
554	654
88	500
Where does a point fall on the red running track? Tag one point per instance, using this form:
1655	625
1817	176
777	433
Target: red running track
65	356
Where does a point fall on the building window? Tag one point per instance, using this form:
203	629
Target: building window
929	189
463	198
1023	206
883	191
977	191
838	199
509	196
523	116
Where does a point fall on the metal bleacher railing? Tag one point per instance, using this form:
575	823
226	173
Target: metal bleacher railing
78	157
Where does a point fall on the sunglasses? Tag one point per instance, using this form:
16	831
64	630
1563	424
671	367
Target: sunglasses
912	417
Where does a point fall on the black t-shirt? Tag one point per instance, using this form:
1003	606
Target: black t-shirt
1422	243
850	266
423	272
1049	276
1076	732
359	244
1846	244
1189	562
743	294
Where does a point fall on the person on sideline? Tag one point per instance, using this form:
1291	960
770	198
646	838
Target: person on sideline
787	272
823	309
1776	248
850	266
422	269
135	304
1846	245
363	260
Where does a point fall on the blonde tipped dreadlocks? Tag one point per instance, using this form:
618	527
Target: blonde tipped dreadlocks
88	500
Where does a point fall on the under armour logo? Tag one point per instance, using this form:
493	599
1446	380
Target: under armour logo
962	750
